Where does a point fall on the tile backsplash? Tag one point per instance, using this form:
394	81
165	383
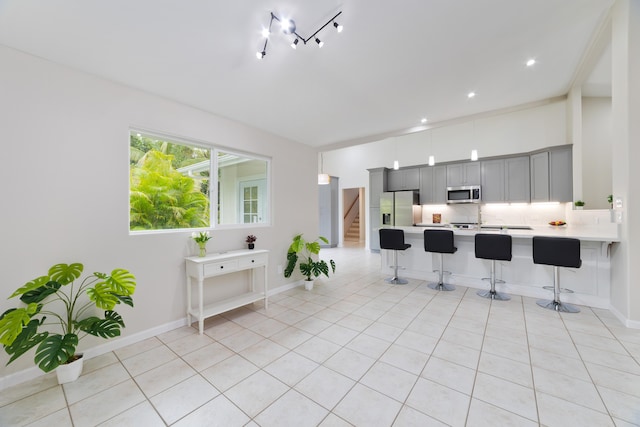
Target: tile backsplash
515	214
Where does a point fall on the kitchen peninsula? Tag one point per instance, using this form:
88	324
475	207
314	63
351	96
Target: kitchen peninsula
591	283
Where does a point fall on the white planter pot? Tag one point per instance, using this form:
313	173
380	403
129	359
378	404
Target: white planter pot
308	284
71	371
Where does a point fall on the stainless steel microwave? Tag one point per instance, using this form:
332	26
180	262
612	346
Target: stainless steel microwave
464	194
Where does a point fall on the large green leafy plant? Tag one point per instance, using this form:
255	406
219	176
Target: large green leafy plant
25	327
303	251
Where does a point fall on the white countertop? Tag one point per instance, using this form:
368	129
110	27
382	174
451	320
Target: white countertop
598	233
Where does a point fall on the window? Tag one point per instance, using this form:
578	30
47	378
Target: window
170	181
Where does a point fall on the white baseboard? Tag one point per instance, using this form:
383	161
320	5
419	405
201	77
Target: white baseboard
634	324
114	344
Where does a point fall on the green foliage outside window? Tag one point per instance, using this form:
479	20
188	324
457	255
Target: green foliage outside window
161	197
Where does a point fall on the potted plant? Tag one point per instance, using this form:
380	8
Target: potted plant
251	241
201	239
579	204
610	200
53	302
303	251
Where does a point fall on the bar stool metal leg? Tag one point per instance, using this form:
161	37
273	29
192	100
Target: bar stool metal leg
395	280
555	304
492	293
441	286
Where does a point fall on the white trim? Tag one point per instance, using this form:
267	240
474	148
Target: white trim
634	324
35	372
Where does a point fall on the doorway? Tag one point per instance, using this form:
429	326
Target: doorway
353	216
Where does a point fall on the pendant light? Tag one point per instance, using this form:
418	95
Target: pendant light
323	178
432	158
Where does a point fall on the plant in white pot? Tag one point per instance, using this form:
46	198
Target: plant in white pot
303	251
58	313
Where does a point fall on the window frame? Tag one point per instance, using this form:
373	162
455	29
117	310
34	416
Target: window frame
214	181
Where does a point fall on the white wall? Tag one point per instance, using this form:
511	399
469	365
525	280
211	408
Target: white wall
596	152
507	133
64	181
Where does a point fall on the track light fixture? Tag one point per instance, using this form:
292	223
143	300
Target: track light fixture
288	26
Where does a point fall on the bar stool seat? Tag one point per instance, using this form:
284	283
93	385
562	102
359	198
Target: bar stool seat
495	247
441	242
558	252
393	240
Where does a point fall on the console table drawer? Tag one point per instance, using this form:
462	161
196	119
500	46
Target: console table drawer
259	259
215	268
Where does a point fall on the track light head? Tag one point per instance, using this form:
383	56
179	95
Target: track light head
288	26
265	33
320	42
338	27
260	55
294	45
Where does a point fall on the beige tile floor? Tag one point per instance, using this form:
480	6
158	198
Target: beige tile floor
357	351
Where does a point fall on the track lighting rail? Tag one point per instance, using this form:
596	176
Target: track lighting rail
289	27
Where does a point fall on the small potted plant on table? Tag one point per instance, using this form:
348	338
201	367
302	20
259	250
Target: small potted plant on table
251	241
579	204
201	239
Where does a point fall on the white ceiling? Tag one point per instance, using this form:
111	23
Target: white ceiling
394	63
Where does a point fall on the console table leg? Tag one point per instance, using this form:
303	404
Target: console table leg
200	307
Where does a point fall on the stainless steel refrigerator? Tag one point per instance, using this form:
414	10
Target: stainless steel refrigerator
400	208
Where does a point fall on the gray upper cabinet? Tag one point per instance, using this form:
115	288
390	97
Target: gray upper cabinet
493	181
506	180
539	164
517	187
403	179
552	175
463	174
561	175
377	185
433	183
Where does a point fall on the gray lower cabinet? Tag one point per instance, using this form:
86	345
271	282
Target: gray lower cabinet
552	175
433	185
403	179
460	174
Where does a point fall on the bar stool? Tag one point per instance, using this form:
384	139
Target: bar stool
392	239
440	241
558	252
493	247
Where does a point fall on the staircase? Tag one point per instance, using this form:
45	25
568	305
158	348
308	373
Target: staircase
353	232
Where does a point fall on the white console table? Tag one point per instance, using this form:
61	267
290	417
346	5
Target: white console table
212	265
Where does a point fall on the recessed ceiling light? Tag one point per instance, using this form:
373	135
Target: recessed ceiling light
424	120
531	62
471	94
